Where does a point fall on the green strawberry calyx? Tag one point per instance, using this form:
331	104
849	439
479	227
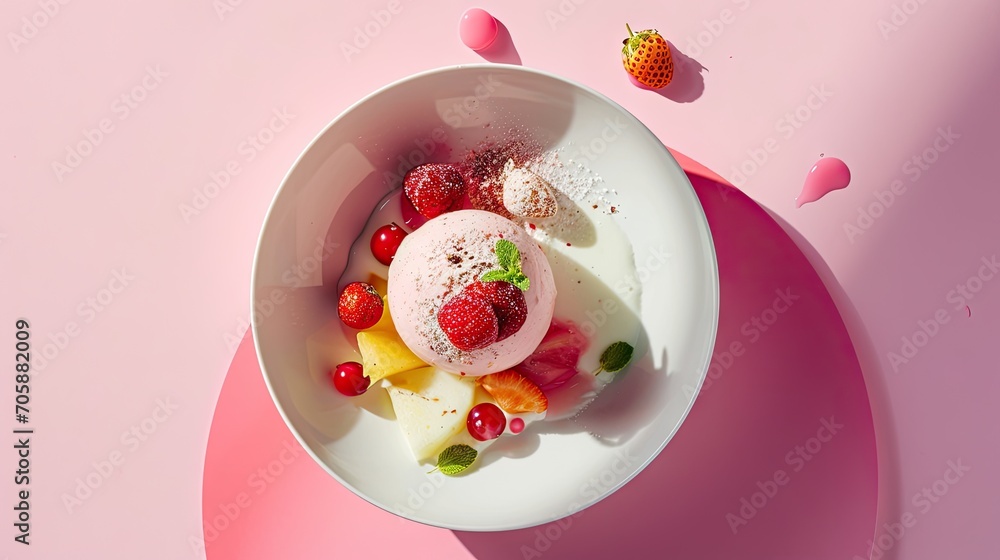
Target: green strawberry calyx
635	39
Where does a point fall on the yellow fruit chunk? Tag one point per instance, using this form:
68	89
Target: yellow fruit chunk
383	353
380	284
431	406
385	323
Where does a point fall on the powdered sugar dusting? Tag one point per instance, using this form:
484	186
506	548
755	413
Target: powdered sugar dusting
577	189
574	180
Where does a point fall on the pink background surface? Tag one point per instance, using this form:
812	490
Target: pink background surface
171	332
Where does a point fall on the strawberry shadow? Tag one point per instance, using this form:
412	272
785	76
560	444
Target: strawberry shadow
502	50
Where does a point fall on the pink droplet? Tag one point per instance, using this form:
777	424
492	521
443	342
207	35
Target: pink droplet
477	28
516	425
829	174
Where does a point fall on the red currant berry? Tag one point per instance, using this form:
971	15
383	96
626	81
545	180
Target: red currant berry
486	421
386	241
516	425
349	378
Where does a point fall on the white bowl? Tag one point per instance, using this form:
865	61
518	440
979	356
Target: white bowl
553	469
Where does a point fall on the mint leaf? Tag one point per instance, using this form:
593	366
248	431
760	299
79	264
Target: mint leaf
516	278
456	459
507	255
520	280
494	275
616	357
509	259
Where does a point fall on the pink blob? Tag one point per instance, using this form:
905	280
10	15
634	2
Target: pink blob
516	425
829	174
554	362
477	28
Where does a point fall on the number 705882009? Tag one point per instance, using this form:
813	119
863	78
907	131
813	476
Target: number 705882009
22	361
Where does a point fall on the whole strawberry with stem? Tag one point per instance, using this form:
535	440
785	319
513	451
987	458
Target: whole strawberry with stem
646	56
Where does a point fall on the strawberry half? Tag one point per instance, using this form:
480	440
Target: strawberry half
513	392
469	322
433	188
646	56
508	304
360	305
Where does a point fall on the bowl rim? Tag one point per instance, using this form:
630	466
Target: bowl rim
702	225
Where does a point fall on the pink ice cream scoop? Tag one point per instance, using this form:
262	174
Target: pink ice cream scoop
437	261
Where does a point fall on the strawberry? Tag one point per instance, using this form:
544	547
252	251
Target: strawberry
469	322
513	392
554	362
433	188
360	305
508	304
646	56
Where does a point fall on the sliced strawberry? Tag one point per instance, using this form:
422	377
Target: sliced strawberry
360	305
513	392
469	322
554	362
433	188
507	301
